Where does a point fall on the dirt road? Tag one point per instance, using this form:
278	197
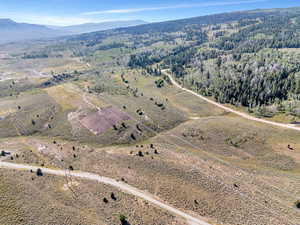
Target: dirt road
241	114
105	180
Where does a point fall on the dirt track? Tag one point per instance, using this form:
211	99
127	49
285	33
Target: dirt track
105	180
241	114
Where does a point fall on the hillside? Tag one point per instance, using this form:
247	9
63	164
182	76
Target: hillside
163	123
224	55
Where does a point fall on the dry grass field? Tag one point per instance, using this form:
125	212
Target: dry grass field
191	155
117	122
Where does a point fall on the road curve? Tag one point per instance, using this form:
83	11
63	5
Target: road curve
241	114
105	180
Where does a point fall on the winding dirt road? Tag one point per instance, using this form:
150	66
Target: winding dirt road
105	180
241	114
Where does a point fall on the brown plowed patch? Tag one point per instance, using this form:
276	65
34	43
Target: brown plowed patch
98	122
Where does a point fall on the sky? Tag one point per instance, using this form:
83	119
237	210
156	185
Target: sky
71	12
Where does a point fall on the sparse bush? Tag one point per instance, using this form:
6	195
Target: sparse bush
113	197
39	172
123	219
140	112
160	83
115	127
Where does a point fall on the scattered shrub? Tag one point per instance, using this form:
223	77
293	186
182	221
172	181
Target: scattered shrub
39	172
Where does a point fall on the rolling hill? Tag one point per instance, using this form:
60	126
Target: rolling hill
92	27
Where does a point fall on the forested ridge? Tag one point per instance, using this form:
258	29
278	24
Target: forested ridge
248	59
248	62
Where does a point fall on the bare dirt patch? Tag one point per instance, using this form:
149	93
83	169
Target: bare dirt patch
100	121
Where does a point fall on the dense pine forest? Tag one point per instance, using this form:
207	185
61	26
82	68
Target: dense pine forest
251	62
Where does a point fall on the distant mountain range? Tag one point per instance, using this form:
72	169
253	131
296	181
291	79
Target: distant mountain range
92	27
11	31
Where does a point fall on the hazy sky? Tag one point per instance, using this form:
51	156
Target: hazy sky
68	12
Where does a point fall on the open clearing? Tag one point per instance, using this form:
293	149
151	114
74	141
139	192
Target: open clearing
244	115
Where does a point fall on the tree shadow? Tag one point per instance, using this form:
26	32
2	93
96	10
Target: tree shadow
125	223
4	153
295	123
